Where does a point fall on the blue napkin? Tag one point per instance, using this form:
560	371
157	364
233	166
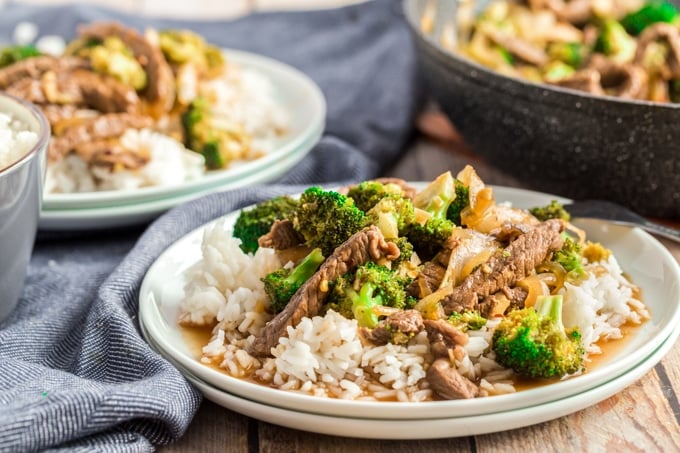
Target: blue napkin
74	371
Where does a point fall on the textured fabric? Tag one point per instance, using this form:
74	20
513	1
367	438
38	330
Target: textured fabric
74	371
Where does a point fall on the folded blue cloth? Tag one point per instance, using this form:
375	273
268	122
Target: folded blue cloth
74	371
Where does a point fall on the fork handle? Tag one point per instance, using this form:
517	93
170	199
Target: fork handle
661	230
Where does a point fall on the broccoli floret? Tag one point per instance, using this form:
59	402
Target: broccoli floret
281	284
356	294
655	11
219	141
253	223
326	219
614	42
534	343
184	46
429	238
405	251
554	210
393	215
11	54
570	53
113	57
459	203
367	194
467	320
570	257
435	199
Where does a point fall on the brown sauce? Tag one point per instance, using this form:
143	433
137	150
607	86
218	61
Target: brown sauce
197	337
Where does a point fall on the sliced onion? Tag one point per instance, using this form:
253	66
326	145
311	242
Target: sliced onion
535	287
429	305
556	270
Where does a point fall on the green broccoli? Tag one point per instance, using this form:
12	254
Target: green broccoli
281	284
393	214
570	53
255	222
467	320
570	256
459	203
534	343
554	210
429	237
11	54
652	12
355	295
220	141
367	194
326	219
614	42
405	251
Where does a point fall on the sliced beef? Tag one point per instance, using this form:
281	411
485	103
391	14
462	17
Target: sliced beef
508	232
443	337
110	153
160	88
668	35
368	244
427	281
81	88
497	304
396	328
602	76
103	127
520	48
508	266
281	236
448	383
34	68
575	12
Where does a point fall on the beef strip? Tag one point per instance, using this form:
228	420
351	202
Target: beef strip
508	232
160	88
34	68
518	47
575	12
367	244
428	280
443	337
666	34
448	383
505	268
94	129
81	88
400	326
603	76
281	236
110	153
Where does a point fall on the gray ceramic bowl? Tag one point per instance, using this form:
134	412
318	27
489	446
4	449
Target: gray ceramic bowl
21	185
559	140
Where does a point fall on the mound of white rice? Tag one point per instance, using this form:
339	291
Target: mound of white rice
170	163
15	139
324	355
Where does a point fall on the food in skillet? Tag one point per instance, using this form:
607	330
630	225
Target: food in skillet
623	48
381	291
129	110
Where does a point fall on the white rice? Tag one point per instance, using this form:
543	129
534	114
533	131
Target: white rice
15	139
170	163
324	356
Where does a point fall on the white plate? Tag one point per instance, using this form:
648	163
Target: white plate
294	91
133	214
453	426
647	262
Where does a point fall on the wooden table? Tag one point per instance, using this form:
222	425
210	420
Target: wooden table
645	417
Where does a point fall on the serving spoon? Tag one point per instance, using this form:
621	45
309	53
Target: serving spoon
615	213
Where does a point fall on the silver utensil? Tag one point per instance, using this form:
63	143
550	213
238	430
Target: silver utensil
615	213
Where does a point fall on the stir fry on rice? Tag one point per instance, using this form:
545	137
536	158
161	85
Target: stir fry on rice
131	110
382	291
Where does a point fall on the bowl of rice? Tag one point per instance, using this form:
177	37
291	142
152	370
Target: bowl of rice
24	134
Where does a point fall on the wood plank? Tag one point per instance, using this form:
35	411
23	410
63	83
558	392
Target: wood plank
214	428
275	439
